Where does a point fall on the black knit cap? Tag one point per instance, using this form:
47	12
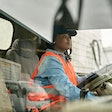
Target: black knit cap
60	29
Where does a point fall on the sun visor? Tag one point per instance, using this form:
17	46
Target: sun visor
6	32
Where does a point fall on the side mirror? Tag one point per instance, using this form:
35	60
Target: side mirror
6	33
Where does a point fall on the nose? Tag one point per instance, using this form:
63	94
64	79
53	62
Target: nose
68	38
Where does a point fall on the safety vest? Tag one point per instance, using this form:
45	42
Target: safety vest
67	67
52	94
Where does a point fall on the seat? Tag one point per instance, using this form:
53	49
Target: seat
23	51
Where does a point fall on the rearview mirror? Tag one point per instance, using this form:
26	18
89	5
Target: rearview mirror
6	33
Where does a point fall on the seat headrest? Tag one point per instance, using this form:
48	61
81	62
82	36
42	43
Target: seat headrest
25	48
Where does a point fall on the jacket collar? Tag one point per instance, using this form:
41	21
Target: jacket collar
56	52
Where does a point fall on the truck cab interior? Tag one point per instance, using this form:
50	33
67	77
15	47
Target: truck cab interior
26	47
18	61
21	57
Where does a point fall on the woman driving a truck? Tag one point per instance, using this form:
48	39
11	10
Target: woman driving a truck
55	72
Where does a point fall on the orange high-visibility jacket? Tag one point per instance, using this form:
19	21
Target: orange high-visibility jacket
54	97
67	66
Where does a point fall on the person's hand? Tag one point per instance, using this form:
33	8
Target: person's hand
95	93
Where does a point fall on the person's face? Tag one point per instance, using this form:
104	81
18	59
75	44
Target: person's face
63	41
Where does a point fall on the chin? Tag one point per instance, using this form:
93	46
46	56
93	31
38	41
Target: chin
67	48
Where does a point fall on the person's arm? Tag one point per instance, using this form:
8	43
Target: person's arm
52	69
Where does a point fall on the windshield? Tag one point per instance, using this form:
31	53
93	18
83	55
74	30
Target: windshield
6	32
